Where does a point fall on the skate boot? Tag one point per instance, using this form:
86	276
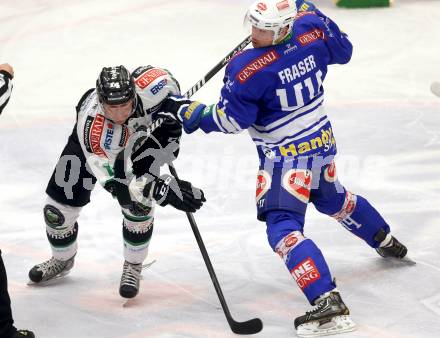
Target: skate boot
23	334
131	275
51	269
331	316
389	246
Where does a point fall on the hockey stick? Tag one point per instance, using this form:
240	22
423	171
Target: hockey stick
254	325
251	326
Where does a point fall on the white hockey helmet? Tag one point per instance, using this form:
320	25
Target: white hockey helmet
272	15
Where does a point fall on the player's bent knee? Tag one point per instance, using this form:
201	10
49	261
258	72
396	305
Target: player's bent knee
61	225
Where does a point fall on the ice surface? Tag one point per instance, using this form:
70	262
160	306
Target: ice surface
386	122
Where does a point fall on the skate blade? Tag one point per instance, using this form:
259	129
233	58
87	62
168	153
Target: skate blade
408	260
148	265
338	324
405	260
51	281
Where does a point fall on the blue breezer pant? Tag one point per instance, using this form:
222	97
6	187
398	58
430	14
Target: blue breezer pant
282	197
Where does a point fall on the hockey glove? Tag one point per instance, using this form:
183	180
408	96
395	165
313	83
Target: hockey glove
180	194
150	153
186	111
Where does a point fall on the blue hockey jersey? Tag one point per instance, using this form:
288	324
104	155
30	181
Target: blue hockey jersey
276	92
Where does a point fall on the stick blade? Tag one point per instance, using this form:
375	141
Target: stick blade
251	326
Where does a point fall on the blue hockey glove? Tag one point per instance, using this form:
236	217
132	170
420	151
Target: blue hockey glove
188	112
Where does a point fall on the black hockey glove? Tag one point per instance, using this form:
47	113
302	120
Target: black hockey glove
149	154
173	106
180	194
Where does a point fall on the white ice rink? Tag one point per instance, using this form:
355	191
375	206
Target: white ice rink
386	122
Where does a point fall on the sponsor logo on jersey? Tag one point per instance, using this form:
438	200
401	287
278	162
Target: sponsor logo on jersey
325	141
290	48
330	173
158	87
86	137
109	136
95	135
124	136
262	6
288	243
283	5
302	13
256	65
229	83
309	37
269	153
264	182
148	77
305	273
298	183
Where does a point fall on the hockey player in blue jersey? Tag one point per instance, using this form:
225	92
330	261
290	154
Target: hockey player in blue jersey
275	92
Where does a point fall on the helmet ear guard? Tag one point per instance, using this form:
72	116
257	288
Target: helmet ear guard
272	15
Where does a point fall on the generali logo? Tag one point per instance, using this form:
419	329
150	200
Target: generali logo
305	273
256	65
309	37
96	133
149	76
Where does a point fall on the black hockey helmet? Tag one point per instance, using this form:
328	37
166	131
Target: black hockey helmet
115	85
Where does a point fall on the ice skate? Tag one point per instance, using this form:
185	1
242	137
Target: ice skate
130	278
50	270
331	316
391	248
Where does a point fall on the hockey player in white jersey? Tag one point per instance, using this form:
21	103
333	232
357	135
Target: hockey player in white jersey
108	116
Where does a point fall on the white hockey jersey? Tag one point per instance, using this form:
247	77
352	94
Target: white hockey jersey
101	139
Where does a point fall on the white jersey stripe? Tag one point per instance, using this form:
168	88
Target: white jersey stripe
295	126
318	101
305	132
